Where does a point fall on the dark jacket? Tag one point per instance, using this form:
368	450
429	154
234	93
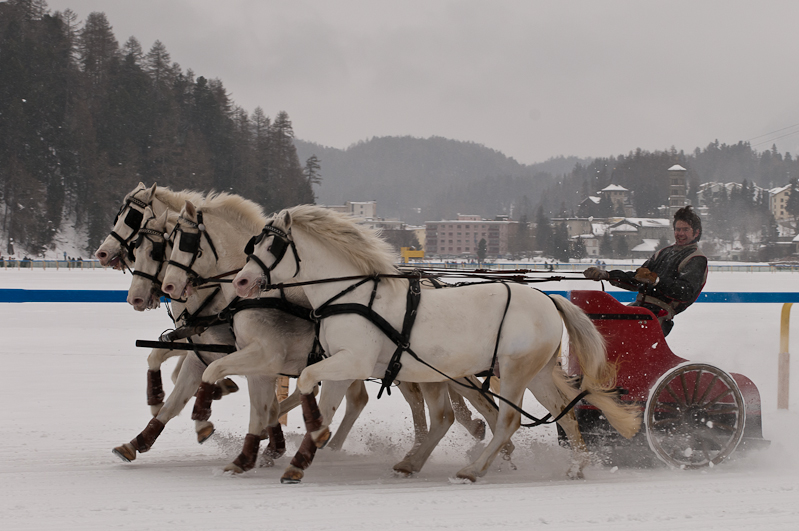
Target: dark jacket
682	272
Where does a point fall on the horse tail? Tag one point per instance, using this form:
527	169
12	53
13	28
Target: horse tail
599	376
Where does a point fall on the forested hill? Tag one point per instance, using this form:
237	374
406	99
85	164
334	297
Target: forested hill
418	180
83	120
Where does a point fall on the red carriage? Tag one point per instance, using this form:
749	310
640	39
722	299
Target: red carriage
695	414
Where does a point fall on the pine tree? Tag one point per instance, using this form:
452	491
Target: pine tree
543	232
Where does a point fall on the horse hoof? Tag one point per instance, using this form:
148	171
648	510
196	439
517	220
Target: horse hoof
466	476
226	386
266	461
321	437
205	432
403	469
575	472
292	475
126	452
234	469
507	450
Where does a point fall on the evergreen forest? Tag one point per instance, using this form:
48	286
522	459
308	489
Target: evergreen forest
83	120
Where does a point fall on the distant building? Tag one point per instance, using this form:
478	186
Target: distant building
638	231
777	199
462	236
359	209
677	189
618	195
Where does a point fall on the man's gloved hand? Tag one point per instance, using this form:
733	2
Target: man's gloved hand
594	273
645	276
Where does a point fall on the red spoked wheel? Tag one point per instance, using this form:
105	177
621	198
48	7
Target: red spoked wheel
694	416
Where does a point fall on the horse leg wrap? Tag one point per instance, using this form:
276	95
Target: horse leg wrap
155	388
147	437
310	413
277	444
202	404
249	452
304	456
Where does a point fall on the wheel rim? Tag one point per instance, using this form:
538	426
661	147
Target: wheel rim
695	416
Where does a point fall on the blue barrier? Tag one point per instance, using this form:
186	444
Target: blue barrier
62	295
757	297
55	295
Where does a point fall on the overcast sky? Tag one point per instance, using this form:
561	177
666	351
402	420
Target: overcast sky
531	79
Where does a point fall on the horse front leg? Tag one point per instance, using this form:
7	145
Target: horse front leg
263	411
317	419
155	387
185	387
250	359
357	398
441	418
413	395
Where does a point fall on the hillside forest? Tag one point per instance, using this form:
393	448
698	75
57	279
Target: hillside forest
83	119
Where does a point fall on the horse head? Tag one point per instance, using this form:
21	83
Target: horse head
265	254
114	249
187	259
148	254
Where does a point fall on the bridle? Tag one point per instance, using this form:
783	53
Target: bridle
133	220
190	243
159	240
280	244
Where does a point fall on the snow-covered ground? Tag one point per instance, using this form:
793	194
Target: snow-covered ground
73	388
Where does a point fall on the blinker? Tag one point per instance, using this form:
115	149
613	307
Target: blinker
279	244
189	242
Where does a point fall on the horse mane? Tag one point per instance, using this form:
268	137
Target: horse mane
235	209
361	245
174	200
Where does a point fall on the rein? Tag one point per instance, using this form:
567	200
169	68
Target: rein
518	279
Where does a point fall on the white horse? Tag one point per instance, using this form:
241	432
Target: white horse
150	254
263	348
114	252
510	328
260	333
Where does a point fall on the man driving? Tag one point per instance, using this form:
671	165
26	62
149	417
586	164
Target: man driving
672	278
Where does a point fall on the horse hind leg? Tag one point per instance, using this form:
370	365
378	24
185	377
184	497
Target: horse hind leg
508	421
485	406
442	416
475	427
551	388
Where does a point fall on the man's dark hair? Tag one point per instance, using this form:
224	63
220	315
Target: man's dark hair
688	215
